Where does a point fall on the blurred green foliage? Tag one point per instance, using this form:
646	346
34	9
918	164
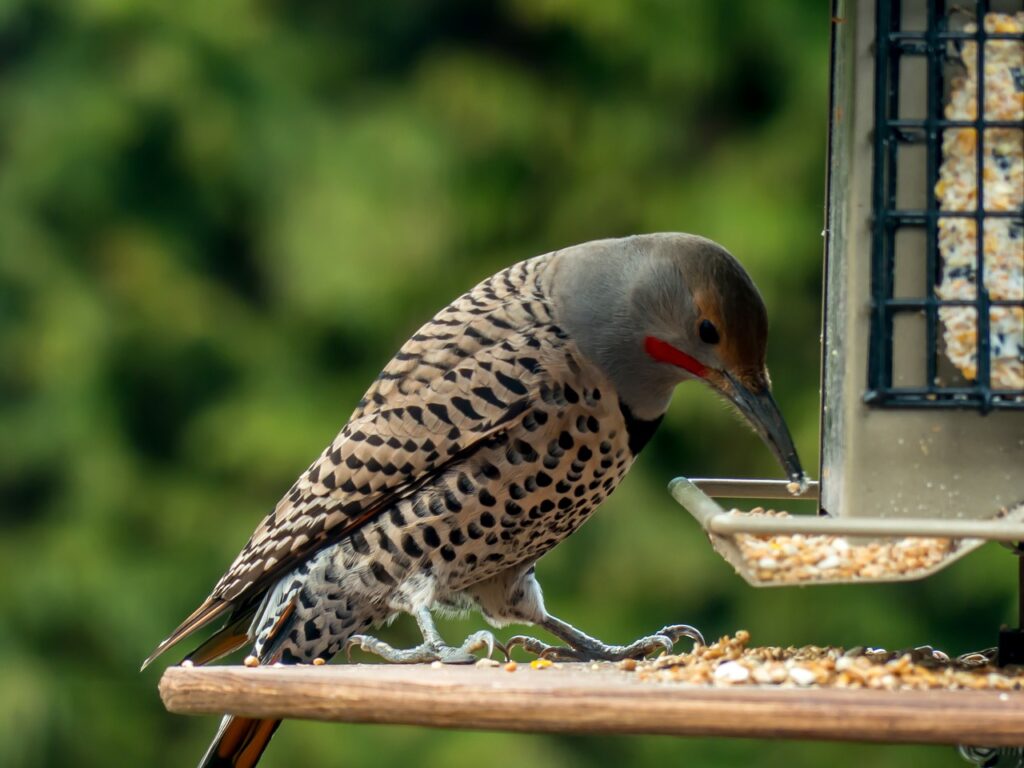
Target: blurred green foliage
219	220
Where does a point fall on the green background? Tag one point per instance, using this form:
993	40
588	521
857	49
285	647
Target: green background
219	220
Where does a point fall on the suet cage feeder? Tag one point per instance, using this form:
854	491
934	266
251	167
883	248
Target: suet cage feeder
922	412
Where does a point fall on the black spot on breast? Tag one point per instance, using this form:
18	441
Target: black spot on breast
486	498
410	546
430	537
640	431
487	520
447	553
526	450
380	573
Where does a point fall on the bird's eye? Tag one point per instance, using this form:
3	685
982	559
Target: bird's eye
708	332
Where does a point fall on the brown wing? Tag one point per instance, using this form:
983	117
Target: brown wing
435	403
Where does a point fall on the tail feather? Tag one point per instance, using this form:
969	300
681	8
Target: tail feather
201	616
225	640
239	742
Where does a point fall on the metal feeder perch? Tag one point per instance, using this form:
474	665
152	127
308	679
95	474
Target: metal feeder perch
922	416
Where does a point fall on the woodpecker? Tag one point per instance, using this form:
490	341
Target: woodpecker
494	433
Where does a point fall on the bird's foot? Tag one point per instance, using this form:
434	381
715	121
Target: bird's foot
584	648
427	651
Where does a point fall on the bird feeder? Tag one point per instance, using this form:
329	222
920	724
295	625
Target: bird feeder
922	413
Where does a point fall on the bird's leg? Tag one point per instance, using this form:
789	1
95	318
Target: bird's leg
582	647
432	648
515	596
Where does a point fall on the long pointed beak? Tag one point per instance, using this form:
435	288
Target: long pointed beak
763	413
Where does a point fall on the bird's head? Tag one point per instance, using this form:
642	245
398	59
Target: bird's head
656	310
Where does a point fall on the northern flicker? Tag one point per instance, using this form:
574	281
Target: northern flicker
494	433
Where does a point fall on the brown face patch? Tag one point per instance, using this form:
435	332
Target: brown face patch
730	301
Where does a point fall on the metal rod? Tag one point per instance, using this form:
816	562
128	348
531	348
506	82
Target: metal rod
714	519
735	488
932	160
992	530
694	501
983	340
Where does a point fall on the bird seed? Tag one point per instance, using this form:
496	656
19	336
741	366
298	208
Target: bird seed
1002	239
794	558
730	661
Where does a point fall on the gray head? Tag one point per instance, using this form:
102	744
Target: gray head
653	311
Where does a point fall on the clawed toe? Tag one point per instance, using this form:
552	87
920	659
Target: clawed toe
426	652
542	650
676	632
585	648
482	640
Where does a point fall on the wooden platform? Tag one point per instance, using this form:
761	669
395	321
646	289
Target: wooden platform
573	698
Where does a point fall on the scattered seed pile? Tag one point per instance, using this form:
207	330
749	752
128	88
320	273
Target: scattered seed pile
729	661
797	557
1003	189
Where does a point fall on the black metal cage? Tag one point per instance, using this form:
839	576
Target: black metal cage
928	58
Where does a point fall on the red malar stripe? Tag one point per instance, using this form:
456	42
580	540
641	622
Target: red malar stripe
664	352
